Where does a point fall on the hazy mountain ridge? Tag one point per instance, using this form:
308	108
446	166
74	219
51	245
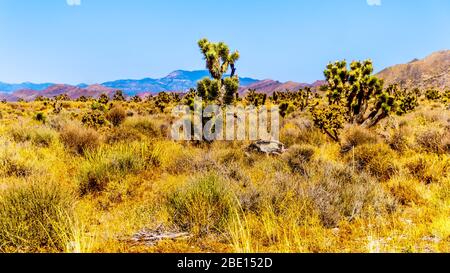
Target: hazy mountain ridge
432	71
8	87
270	86
177	81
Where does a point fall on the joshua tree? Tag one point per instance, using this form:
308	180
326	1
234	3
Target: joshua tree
62	97
298	100
82	99
164	99
405	100
433	94
218	60
136	99
330	119
304	97
118	96
353	95
256	99
103	99
359	92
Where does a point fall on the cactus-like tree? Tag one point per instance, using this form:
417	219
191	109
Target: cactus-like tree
219	59
446	97
405	100
82	99
360	92
433	94
299	100
40	99
329	118
103	99
118	96
254	98
136	99
353	95
164	100
304	97
62	97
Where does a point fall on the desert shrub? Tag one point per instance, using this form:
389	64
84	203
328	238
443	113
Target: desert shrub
301	131
94	119
20	134
432	116
376	159
107	164
427	168
341	194
39	136
40	117
233	171
446	142
43	137
289	135
356	136
278	192
298	158
406	191
79	139
58	122
202	206
116	115
183	163
433	94
11	164
228	156
122	134
250	199
431	141
397	140
97	106
149	127
35	217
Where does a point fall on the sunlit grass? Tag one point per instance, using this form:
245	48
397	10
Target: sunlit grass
67	188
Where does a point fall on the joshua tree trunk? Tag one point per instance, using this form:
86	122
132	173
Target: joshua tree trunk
233	70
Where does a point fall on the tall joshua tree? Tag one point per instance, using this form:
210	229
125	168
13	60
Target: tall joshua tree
360	92
354	95
219	59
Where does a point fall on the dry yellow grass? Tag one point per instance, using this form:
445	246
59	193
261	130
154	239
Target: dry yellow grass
380	190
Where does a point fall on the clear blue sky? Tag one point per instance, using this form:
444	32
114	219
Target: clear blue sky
101	40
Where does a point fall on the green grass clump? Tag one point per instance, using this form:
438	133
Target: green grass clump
202	206
107	164
35	216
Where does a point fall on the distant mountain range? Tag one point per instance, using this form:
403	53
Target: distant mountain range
177	81
432	71
8	88
270	86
